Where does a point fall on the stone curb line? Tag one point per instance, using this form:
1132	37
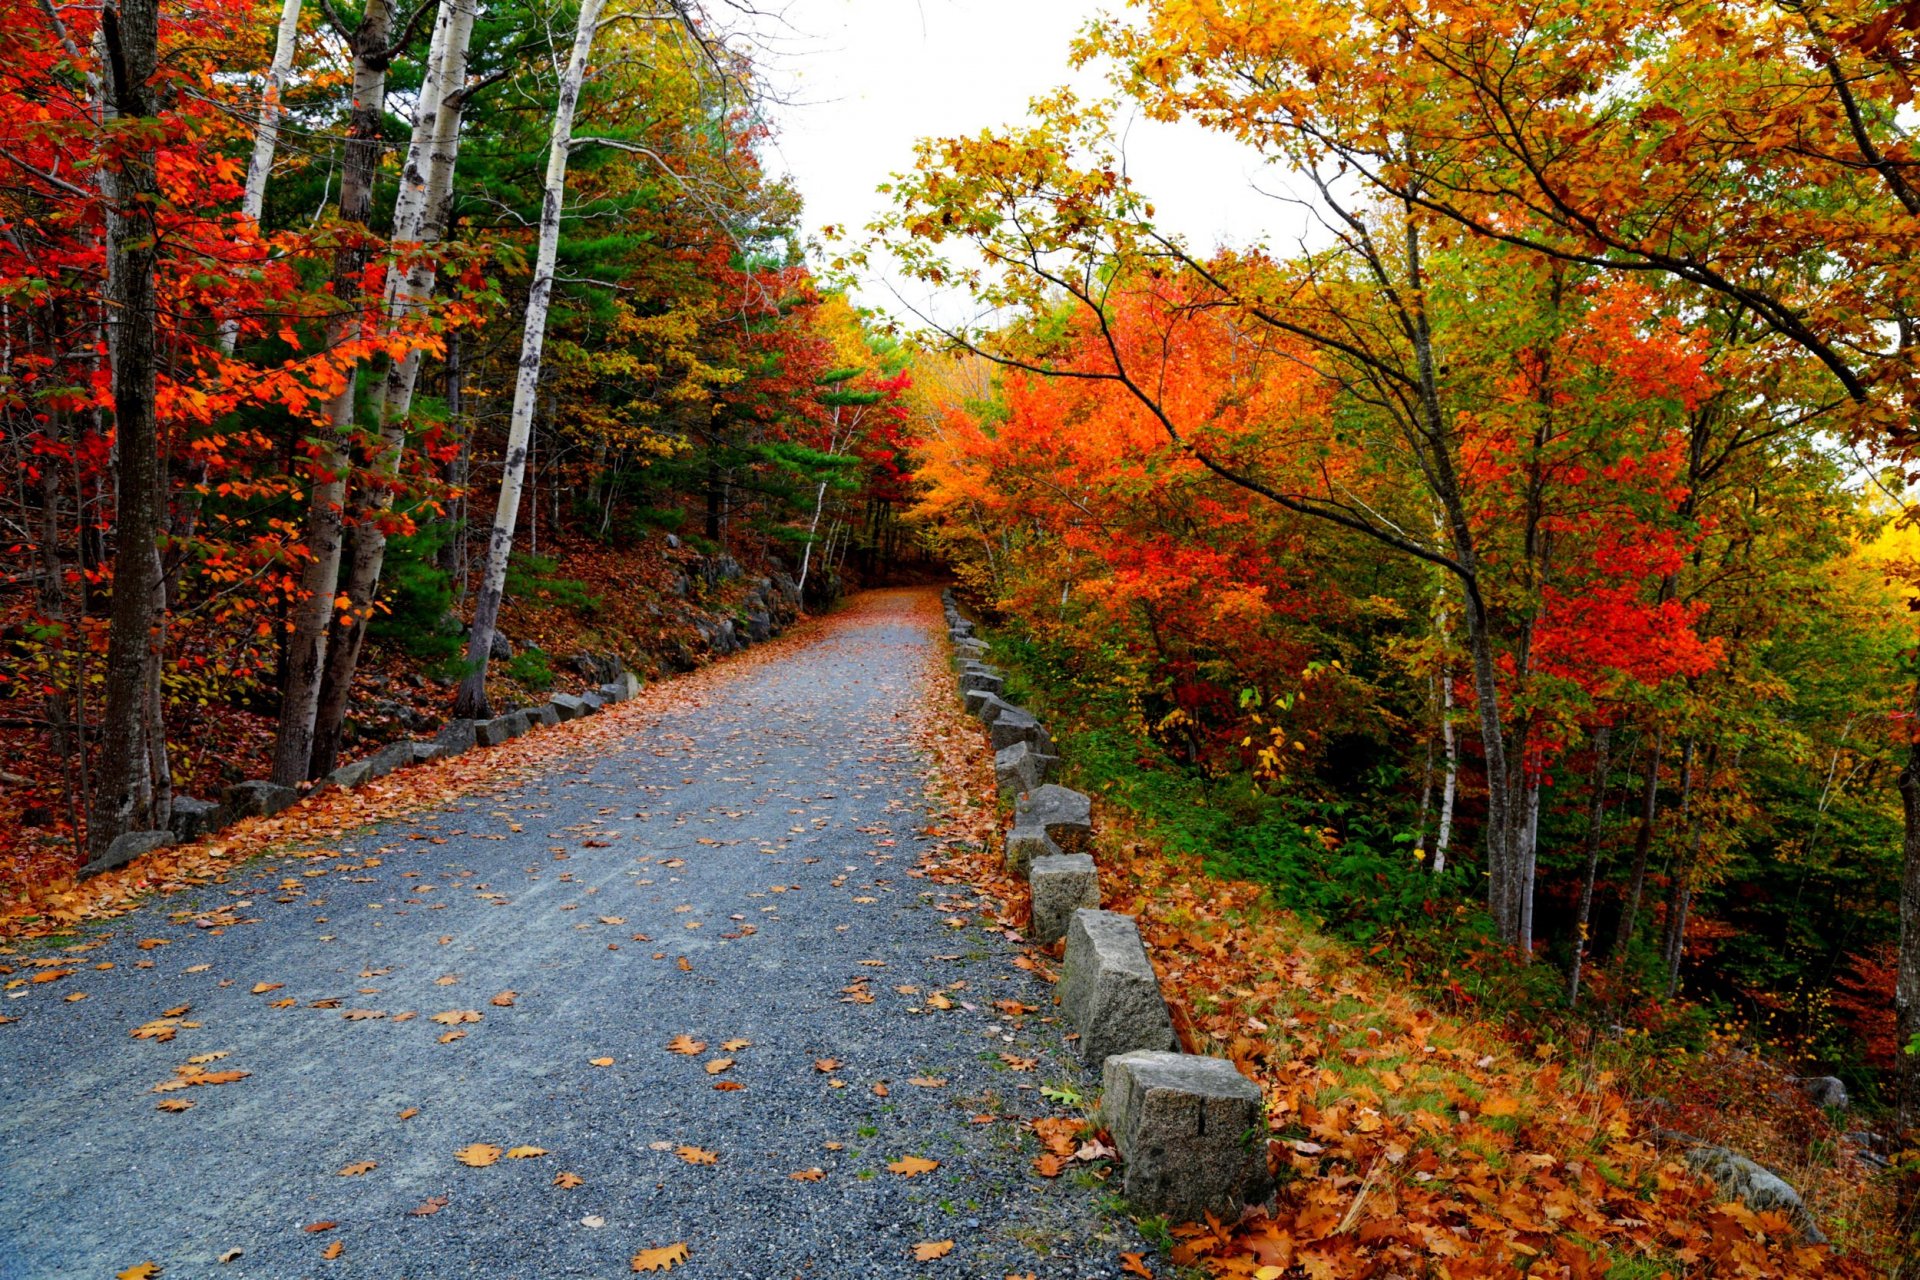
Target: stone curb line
1191	1128
193	819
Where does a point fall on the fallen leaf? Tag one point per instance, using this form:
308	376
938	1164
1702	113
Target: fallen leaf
928	1250
808	1175
665	1258
908	1166
928	1082
686	1044
826	1064
694	1155
593	1222
1015	1063
451	1036
446	979
1133	1265
361	1015
613	920
138	1271
454	1017
201	1059
600	1062
333	1250
427	1208
1050	1166
526	1153
568	1181
328	1225
718	1065
229	1256
736	1044
504	999
178	1011
357	1168
938	1001
409	1113
477	1155
261	988
173	1104
685	965
880	1089
200	968
729	1086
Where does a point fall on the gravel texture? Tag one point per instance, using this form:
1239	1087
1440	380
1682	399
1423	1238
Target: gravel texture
762	832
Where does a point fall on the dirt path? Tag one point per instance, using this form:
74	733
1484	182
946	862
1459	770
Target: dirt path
735	866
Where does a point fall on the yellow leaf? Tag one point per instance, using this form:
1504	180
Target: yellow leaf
736	1044
504	999
454	1017
908	1166
333	1250
928	1250
665	1258
357	1168
686	1044
1501	1104
568	1181
526	1153
718	1065
694	1155
173	1104
261	988
477	1155
600	1062
138	1271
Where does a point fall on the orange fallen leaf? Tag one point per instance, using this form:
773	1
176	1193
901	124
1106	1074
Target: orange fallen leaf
729	1086
454	1017
908	1166
138	1271
928	1082
409	1113
1134	1265
665	1258
685	965
686	1044
880	1089
261	988
1500	1104
826	1064
357	1168
173	1104
808	1175
928	1250
695	1155
736	1044
504	999
526	1153
428	1207
568	1181
600	1062
477	1155
333	1250
718	1065
451	1036
327	1225
1050	1166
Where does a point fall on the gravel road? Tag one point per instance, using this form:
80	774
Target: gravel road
509	967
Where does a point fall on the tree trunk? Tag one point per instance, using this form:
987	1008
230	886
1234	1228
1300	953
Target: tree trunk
1674	945
1596	816
124	794
419	216
313	617
471	701
266	137
1642	846
1906	991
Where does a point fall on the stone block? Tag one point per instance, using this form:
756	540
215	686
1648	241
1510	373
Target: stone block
1022	767
1193	1133
491	733
1024	844
1108	990
1065	814
985	704
391	758
350	775
1014	725
595	700
971	648
980	682
124	849
544	714
1061	884
257	799
456	736
622	687
425	751
567	706
191	818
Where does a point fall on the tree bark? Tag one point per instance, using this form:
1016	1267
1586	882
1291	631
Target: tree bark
313	617
1906	990
1642	846
125	797
1596	817
419	217
471	700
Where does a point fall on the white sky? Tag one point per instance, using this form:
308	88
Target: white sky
866	78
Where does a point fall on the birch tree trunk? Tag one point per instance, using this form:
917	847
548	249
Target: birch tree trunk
125	796
266	137
471	701
419	217
313	616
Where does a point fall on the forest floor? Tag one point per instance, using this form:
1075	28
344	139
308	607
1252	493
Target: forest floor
694	977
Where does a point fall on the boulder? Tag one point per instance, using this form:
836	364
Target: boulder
567	707
980	682
596	667
1065	814
425	751
1022	767
191	818
257	798
544	714
1061	884
1024	845
351	774
389	759
456	736
501	649
124	849
1014	725
1193	1133
595	700
1108	990
1759	1188
622	687
1823	1091
971	648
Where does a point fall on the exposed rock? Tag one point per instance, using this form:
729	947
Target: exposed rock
1822	1091
981	682
1061	884
125	849
1024	845
502	648
986	704
544	714
594	700
257	798
456	736
190	818
389	759
351	774
1065	814
1759	1188
1108	990
1193	1132
491	733
596	667
621	687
